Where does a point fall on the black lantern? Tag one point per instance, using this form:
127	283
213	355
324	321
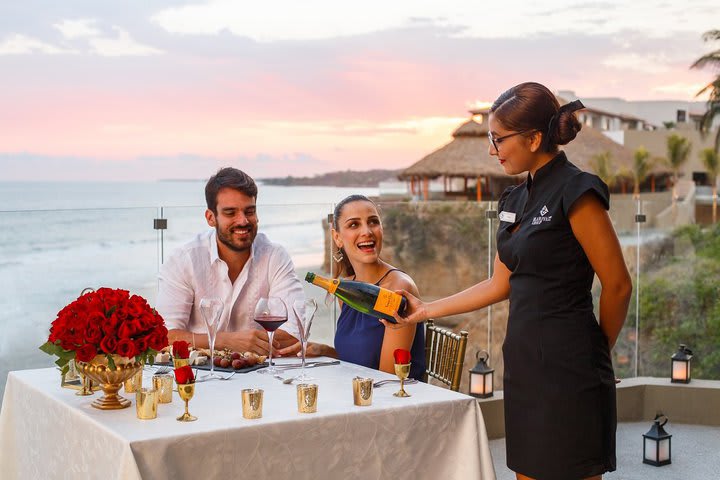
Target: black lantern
681	365
656	443
481	376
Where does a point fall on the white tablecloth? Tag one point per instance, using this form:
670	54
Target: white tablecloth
49	432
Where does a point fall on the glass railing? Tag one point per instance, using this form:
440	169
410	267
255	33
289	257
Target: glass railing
48	256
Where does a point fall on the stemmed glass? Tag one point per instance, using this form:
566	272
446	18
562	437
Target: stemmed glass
270	313
211	309
304	313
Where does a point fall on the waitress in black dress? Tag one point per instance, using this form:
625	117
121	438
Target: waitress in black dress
554	236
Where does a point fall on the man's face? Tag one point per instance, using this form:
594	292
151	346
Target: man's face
236	219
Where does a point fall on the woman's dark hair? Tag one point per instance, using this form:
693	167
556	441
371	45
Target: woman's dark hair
531	106
228	177
344	267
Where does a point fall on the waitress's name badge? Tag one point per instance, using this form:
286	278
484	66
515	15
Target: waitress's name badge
507	216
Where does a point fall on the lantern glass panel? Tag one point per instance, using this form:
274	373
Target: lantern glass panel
477	383
664	450
680	370
488	383
650	450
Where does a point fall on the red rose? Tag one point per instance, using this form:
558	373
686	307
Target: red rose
125	330
108	344
141	344
181	349
157	341
93	334
184	375
126	348
86	353
402	356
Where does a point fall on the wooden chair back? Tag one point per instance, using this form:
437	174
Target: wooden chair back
444	354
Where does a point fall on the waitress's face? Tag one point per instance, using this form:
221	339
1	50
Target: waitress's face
515	151
359	232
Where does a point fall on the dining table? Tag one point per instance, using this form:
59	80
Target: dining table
49	432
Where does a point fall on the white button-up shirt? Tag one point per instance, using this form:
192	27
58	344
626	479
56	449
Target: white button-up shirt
195	271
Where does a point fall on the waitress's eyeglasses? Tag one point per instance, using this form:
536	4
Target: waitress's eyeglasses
498	140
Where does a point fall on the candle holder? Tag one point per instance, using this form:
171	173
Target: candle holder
163	383
362	391
146	402
186	392
134	383
307	396
252	403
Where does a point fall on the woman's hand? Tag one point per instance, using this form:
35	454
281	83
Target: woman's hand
415	312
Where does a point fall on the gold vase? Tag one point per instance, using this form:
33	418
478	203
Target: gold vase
110	381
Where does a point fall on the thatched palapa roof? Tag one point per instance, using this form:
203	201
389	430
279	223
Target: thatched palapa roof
467	154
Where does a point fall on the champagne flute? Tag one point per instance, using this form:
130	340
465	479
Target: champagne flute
270	313
304	314
212	309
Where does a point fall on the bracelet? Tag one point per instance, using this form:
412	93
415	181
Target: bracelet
193	337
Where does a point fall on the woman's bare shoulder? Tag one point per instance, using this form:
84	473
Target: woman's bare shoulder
399	280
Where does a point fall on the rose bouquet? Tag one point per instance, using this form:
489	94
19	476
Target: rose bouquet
106	322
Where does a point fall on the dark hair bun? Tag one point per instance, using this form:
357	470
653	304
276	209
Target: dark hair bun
566	129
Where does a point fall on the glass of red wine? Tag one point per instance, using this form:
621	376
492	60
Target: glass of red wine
270	313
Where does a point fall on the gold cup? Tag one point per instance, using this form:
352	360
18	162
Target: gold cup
134	383
186	392
307	397
362	391
180	362
146	402
252	403
402	371
163	383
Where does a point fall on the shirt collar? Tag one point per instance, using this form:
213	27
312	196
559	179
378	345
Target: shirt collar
215	255
546	169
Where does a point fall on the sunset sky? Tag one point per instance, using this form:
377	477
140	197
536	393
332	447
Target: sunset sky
144	90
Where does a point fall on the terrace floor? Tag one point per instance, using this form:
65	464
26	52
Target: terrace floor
695	454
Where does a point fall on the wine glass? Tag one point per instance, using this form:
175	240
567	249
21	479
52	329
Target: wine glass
270	313
211	309
304	314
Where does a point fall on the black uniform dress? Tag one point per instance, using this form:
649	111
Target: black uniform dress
560	414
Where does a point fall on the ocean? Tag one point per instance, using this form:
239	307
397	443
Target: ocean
57	238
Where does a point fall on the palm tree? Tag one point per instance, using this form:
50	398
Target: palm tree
603	167
711	60
641	168
678	150
711	160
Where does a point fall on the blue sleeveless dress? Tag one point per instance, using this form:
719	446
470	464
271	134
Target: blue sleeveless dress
359	339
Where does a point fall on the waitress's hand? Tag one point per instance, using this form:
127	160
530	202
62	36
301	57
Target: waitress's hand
415	312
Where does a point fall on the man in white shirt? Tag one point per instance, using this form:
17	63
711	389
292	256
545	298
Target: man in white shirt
232	262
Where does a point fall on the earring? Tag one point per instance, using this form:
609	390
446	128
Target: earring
338	256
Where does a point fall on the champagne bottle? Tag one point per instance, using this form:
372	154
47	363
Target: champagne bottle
363	297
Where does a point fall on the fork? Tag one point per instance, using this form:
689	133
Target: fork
380	383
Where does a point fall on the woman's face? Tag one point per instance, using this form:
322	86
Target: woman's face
359	232
516	153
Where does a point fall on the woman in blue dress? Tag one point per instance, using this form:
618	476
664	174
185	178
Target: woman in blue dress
358	236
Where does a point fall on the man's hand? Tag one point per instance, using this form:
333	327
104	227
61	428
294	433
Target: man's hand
250	340
285	344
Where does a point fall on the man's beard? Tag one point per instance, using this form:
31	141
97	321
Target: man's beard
227	240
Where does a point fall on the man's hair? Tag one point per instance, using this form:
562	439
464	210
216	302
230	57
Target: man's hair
228	177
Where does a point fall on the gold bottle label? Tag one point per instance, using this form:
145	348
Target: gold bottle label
387	301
